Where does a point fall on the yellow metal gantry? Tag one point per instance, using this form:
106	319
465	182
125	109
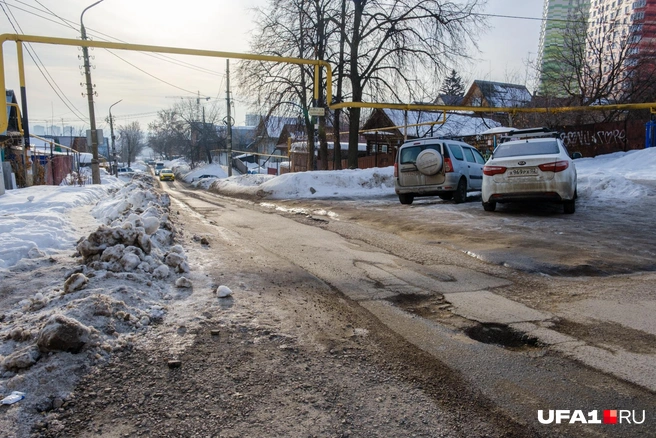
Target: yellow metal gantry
20	39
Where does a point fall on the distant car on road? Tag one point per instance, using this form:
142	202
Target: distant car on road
158	167
125	171
533	169
166	175
198	178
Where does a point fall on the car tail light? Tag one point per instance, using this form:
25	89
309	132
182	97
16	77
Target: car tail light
556	166
396	169
448	165
493	170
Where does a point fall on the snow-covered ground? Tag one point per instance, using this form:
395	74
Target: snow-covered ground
612	176
34	221
127	266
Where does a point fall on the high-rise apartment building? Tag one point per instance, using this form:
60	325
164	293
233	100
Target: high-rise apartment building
560	18
629	28
612	42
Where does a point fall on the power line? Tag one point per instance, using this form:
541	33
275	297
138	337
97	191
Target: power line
65	21
111	38
52	13
151	75
132	116
29	12
40	64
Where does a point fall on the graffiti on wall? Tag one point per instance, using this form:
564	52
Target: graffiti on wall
594	138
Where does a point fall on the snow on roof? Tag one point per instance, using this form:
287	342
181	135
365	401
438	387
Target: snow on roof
456	124
85	158
274	125
498	130
449	99
499	94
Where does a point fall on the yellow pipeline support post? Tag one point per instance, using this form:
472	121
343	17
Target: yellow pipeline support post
23	92
316	83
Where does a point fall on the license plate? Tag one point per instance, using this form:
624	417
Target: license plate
529	171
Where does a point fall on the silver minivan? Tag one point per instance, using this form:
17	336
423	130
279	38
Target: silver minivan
437	167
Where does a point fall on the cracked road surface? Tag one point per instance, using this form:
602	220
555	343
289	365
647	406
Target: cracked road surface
365	324
375	268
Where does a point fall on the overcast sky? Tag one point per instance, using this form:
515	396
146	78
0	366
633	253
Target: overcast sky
223	25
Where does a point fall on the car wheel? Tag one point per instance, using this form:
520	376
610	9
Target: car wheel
460	194
406	198
569	207
489	206
446	196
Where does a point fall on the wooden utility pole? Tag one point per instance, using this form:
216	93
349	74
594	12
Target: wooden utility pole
228	119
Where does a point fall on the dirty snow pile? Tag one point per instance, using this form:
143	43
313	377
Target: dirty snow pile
127	270
612	176
318	184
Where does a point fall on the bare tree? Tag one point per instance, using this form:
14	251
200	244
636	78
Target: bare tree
392	43
198	124
131	137
598	65
290	28
381	48
167	133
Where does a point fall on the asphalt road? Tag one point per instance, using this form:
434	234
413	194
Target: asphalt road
403	263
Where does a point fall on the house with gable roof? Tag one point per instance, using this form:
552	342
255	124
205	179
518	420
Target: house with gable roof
497	95
385	129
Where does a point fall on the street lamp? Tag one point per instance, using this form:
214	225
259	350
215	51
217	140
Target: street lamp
95	170
111	128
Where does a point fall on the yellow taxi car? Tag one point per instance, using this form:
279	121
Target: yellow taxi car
166	175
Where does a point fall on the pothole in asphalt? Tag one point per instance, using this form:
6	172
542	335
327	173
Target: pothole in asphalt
501	335
431	307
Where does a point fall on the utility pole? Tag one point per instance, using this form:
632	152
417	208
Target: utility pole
229	119
95	170
111	128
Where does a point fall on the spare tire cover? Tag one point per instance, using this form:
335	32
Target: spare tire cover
429	162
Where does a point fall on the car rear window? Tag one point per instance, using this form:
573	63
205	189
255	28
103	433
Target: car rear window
409	154
526	148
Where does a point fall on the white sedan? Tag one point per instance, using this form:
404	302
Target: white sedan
537	169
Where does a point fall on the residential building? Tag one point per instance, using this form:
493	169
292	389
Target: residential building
622	35
608	41
559	19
